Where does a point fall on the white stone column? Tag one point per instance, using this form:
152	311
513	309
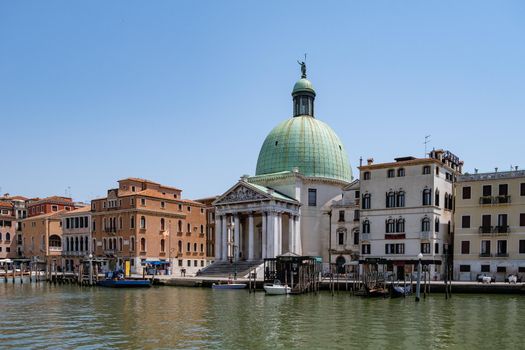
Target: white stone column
236	239
291	234
263	236
218	239
279	234
250	237
224	238
298	246
270	237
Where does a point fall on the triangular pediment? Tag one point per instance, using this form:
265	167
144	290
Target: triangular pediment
240	193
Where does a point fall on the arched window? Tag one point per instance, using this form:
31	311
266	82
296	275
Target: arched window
356	237
366	226
94	246
400	199
180	226
132	222
104	244
81	248
437	225
189	227
436	201
120	244
390	199
340	262
143	244
142	222
162	246
8	237
120	222
55	241
202	228
202	248
162	224
427	196
425	225
76	244
194	247
67	245
367	201
188	247
400	225
132	244
179	245
390	226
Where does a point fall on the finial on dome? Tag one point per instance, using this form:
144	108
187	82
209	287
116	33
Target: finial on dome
303	67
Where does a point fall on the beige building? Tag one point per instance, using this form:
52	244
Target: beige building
147	223
407	209
489	235
344	234
42	238
12	211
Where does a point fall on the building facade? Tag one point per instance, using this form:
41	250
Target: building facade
76	237
210	227
407	209
144	222
489	237
345	228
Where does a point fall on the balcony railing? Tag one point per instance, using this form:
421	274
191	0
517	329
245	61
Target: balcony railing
502	255
504	199
110	229
426	235
485	255
486	229
55	249
502	229
485	200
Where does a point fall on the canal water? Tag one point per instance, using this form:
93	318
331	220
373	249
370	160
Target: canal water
41	316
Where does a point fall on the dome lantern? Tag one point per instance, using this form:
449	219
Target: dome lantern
303	95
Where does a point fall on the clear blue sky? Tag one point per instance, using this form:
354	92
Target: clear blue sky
184	92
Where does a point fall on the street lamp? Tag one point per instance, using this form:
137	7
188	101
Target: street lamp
418	286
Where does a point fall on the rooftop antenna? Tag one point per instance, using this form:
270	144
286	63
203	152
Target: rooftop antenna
427	141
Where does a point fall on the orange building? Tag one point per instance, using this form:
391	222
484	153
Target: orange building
37	206
147	223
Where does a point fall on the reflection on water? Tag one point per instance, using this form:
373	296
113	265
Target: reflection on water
43	316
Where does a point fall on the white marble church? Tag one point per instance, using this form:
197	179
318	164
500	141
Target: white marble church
302	168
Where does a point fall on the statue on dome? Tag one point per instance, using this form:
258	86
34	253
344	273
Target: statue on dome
303	67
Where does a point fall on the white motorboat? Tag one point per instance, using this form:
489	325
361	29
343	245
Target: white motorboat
277	288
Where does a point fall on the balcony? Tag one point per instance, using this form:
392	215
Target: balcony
487	230
162	254
502	230
109	251
502	255
503	199
485	255
485	200
112	230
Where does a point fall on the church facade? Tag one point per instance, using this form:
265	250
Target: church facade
302	169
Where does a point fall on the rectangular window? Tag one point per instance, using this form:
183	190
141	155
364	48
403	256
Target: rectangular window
425	248
522	189
366	175
501	269
180	262
485	268
391	173
465	221
464	268
487	191
521	269
485	248
357	194
162	205
312	197
465	247
365	249
467	192
188	262
54	208
502	247
503	190
522	219
522	246
143	201
341	215
436	248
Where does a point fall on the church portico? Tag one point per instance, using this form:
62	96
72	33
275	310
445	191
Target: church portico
256	223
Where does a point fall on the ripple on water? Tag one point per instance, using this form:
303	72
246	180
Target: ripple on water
63	317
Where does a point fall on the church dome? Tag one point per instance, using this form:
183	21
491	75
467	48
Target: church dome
304	142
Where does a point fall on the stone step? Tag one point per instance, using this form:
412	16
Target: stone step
225	268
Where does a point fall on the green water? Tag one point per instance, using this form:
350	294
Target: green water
39	316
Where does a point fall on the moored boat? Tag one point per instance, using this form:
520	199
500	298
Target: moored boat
124	283
400	291
229	285
277	288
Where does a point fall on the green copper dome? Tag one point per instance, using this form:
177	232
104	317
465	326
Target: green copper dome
303	85
308	144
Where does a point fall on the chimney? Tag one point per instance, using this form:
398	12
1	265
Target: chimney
476	170
496	169
360	161
370	161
